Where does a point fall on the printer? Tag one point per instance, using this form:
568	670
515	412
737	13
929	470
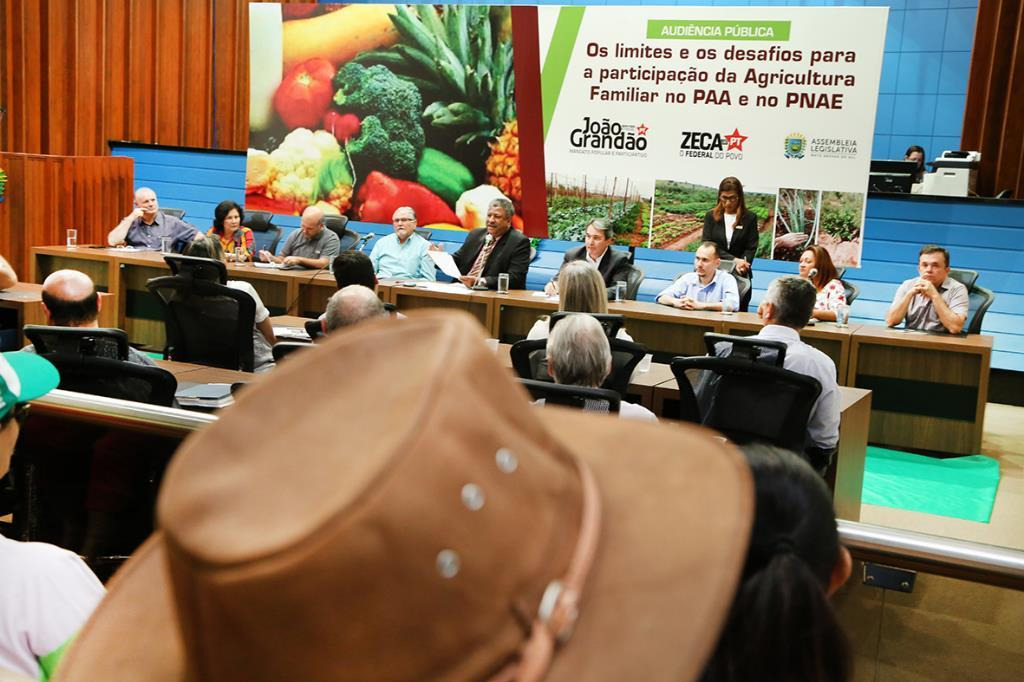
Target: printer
954	176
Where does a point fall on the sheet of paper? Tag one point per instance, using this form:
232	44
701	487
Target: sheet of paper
266	265
291	333
444	260
453	288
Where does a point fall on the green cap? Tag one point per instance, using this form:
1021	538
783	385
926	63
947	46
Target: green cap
24	377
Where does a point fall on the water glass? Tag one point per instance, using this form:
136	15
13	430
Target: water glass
503	283
72	238
842	315
728	308
165	244
620	291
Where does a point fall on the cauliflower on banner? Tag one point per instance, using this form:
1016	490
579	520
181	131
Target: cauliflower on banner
296	166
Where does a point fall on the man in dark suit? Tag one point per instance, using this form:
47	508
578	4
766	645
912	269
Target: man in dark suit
596	250
492	250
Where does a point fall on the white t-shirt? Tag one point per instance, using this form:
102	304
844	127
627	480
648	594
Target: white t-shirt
626	410
46	595
730	227
540	328
262	354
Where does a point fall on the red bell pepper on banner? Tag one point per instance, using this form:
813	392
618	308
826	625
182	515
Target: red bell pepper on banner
380	195
305	94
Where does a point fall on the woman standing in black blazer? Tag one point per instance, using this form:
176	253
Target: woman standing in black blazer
734	229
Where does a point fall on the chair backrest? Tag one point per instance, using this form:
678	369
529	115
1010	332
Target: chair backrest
850	290
178	213
724	264
749	348
840	272
78	342
634	278
197	268
426	234
749	401
966	277
113	378
529	360
610	322
980	300
338	225
206	322
266	234
580	397
314	329
742	285
282	349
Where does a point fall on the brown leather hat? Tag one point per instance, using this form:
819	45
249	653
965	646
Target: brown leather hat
400	512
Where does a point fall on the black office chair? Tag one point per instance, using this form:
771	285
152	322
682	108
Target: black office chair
980	300
634	278
198	268
266	235
529	360
839	273
610	322
725	265
283	349
78	341
579	397
966	277
850	290
742	287
749	348
206	322
426	234
314	329
178	213
748	401
338	225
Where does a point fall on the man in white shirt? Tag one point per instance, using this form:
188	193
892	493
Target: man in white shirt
785	309
597	250
706	288
579	355
46	593
403	253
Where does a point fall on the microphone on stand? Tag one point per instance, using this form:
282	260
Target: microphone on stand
812	274
365	240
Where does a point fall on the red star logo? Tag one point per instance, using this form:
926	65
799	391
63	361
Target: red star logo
642	129
736	140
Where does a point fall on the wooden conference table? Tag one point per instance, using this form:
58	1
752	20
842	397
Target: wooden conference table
929	390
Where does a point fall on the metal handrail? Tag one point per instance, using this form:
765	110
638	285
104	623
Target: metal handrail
150	418
961	559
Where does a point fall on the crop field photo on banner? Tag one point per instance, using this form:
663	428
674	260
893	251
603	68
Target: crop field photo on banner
360	109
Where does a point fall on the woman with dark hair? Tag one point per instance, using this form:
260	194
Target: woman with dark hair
816	266
733	229
916	154
781	625
236	240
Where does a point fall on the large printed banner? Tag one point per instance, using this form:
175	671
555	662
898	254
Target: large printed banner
630	113
646	110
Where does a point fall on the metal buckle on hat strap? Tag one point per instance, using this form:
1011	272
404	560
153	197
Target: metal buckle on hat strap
559	606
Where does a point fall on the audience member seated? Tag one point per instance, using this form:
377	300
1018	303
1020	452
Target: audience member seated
706	288
237	240
46	593
816	267
495	249
596	250
581	290
146	226
403	253
795	562
351	305
934	301
311	246
353	267
8	278
784	311
306	559
263	338
70	300
578	354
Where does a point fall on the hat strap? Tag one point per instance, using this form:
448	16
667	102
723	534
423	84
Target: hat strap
559	606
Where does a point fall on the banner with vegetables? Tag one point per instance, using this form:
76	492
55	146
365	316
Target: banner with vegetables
647	109
359	109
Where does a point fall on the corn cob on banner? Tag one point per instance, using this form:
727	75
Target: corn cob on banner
634	114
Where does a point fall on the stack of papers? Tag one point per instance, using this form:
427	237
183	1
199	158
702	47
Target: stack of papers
293	333
205	395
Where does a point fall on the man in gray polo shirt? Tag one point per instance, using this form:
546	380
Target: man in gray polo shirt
311	246
932	302
146	226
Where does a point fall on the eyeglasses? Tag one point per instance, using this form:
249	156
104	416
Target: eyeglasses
18	414
728	198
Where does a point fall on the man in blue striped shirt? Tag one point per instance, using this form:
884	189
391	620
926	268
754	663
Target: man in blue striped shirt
706	288
404	253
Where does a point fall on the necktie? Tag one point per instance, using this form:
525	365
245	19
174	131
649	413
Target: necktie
481	259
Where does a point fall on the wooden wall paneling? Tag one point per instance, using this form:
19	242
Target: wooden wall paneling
114	122
170	96
198	73
29	113
57	75
144	45
88	78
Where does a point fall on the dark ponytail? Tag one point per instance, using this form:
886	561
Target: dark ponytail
781	626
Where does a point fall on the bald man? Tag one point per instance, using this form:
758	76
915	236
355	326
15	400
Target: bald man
70	300
146	226
351	305
311	246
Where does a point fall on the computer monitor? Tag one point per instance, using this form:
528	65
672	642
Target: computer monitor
891	176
